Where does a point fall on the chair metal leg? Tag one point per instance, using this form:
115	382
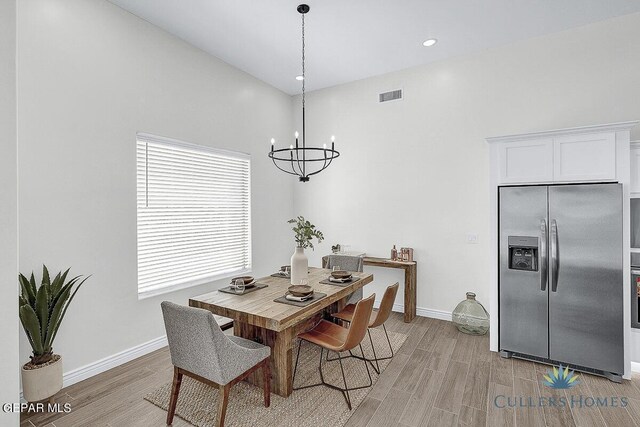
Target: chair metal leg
375	358
388	340
345	392
295	367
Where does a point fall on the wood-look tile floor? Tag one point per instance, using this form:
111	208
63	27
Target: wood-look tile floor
440	377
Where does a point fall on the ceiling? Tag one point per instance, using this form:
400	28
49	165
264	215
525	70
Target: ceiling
349	40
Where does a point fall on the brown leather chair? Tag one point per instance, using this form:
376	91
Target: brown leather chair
331	337
377	318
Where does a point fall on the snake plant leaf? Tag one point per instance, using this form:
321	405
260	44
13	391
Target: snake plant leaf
55	330
22	301
64	287
55	318
45	275
26	289
31	326
42	309
32	284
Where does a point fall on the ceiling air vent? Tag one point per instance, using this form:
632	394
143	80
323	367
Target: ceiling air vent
390	96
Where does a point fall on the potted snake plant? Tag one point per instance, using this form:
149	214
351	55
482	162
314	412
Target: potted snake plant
42	309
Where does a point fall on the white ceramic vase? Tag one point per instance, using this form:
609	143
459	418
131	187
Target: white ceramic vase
299	266
42	383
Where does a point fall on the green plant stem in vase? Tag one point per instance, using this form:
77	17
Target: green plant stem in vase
304	234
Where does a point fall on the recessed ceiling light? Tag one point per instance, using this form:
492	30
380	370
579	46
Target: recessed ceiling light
429	42
299	78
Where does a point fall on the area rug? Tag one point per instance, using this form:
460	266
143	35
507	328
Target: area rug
315	406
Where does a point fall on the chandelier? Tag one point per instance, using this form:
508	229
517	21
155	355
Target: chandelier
299	159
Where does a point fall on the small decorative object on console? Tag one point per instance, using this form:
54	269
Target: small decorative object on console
335	248
470	316
406	254
394	253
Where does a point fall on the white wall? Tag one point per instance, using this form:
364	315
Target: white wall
9	365
415	172
90	76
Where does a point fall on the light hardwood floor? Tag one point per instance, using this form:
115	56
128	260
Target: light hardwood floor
440	377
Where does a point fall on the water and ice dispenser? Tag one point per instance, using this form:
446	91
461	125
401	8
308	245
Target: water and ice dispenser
523	253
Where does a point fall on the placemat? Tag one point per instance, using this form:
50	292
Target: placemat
316	297
230	290
282	276
329	282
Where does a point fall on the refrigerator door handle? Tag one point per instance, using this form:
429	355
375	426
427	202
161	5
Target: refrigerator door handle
555	265
543	255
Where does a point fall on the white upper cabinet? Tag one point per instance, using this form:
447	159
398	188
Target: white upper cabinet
587	154
526	161
590	157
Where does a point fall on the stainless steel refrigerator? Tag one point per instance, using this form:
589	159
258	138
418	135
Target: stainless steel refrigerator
561	282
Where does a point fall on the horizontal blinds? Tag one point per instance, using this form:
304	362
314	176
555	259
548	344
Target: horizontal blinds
193	213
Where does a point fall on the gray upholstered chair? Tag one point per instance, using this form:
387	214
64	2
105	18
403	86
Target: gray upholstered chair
200	350
349	263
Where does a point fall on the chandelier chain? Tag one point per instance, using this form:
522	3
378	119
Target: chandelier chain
303	61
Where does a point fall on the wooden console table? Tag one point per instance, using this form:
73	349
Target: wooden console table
410	277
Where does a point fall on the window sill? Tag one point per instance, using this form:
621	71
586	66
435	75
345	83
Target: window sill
180	286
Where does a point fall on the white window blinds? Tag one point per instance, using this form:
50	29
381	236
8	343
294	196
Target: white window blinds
194	222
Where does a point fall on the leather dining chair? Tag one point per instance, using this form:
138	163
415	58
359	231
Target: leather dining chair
200	350
348	263
331	337
377	318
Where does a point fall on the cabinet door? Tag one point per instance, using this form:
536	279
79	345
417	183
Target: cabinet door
635	169
589	157
526	161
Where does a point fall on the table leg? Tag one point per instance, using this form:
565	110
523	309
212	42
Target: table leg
410	278
281	355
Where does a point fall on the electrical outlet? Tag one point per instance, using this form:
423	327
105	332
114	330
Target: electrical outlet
472	238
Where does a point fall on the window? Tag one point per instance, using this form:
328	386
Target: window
194	214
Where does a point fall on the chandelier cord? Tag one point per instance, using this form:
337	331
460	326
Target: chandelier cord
304	167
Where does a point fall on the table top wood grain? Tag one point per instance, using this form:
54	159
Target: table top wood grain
259	309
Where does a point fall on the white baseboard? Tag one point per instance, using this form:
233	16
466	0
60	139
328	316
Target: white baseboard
635	366
424	312
102	365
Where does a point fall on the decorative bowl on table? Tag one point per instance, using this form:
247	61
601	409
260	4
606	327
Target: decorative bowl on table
340	274
249	281
300	290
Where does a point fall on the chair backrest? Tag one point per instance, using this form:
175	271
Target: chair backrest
196	342
359	323
386	305
345	262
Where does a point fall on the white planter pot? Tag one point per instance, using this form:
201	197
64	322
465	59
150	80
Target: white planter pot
42	383
299	266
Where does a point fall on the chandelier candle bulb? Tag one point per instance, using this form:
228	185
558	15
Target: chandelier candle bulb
333	138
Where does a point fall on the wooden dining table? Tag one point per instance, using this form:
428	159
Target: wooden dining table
256	316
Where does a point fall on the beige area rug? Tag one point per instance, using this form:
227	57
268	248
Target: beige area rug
315	406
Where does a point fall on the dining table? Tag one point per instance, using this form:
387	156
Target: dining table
257	317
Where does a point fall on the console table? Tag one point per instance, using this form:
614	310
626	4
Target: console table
410	276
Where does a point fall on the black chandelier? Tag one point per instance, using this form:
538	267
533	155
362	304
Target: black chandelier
303	161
